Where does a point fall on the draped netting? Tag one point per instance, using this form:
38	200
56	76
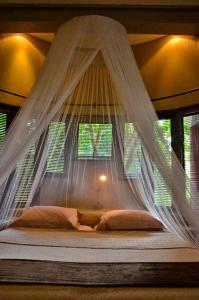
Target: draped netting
88	135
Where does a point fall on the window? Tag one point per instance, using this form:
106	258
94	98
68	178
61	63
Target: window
191	154
24	175
24	168
162	195
187	149
3	123
56	140
133	159
132	151
94	141
55	160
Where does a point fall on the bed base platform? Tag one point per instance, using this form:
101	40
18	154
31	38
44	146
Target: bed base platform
100	274
148	259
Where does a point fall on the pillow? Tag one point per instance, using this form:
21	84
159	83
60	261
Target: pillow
48	217
90	218
128	220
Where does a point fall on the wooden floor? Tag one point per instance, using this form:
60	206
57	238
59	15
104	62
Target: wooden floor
52	292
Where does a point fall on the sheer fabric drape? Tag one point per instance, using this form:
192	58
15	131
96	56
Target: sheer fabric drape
90	77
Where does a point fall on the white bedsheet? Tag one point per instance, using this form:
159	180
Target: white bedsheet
74	246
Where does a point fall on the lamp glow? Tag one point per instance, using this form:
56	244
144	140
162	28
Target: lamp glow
175	39
103	178
19	36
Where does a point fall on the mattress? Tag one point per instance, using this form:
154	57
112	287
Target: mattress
135	258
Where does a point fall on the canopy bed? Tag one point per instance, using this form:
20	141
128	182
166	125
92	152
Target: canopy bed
88	137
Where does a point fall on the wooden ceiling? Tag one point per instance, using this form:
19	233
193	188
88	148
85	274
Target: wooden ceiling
138	16
154	3
134	39
144	21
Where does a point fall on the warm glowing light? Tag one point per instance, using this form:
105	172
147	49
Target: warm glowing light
103	178
20	37
175	39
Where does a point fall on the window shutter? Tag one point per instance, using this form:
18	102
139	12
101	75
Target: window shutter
24	175
162	196
132	151
191	157
95	141
56	139
3	122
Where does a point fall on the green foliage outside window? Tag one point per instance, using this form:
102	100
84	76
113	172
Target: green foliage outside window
95	141
187	152
56	140
132	151
187	123
162	195
55	161
3	121
133	158
24	175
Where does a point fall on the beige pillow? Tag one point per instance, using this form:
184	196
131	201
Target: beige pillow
90	218
128	220
48	217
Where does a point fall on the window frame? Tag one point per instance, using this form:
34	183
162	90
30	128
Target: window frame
57	174
176	117
125	175
95	120
177	132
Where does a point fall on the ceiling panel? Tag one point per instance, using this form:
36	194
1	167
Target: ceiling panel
133	38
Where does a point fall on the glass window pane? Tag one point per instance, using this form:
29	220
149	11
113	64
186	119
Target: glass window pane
24	175
132	151
162	195
95	141
3	121
191	155
56	140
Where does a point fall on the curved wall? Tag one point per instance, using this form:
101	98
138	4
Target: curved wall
168	65
21	58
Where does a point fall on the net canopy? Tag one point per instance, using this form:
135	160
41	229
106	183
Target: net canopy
88	135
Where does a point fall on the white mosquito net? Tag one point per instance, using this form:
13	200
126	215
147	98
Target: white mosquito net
88	135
